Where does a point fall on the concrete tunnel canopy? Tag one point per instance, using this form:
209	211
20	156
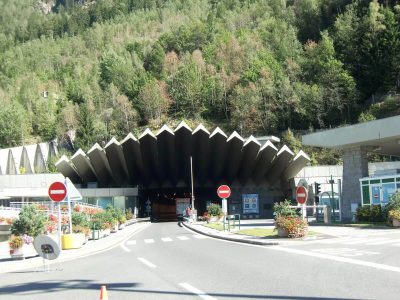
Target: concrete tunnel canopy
162	160
380	136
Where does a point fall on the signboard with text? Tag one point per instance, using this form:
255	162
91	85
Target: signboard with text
250	203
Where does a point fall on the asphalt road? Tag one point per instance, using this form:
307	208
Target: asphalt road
165	261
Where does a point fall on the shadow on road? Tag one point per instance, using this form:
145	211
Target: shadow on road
53	286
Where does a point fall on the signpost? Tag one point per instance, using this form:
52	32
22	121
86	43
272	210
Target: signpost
58	192
224	192
301	197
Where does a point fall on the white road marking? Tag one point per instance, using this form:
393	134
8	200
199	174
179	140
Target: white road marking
183	238
149	241
199	236
382	242
338	258
131	242
193	290
146	262
336	241
348	252
357	241
124	247
166	239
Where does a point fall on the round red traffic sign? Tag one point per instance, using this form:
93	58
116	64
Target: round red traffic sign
224	191
301	194
57	191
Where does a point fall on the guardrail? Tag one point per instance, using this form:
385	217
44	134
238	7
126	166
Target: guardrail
232	221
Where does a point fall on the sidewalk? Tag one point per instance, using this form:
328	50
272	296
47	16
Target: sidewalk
321	231
90	248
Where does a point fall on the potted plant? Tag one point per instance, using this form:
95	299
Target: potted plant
394	215
17	246
215	212
288	226
287	222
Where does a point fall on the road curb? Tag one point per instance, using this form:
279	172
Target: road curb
37	261
231	239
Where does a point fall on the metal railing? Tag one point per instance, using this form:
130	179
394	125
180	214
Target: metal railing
231	221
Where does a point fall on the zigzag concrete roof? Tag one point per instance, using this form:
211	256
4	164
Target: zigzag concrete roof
29	158
163	160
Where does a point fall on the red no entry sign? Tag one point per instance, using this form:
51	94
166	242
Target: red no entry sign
57	191
301	194
224	191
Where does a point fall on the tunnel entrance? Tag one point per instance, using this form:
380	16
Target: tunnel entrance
169	204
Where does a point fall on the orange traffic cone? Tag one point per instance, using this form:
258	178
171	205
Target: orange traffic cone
103	293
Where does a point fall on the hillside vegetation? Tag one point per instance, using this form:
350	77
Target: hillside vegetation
103	68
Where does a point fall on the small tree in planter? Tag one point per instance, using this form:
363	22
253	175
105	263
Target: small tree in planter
30	221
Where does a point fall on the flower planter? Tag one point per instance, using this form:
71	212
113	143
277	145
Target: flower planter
114	229
72	241
396	223
282	232
96	234
23	252
121	226
106	232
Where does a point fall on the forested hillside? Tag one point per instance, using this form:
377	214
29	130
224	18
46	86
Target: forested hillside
103	68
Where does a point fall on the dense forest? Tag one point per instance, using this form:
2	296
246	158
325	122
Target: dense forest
85	71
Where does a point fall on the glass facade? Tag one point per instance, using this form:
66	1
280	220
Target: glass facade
378	190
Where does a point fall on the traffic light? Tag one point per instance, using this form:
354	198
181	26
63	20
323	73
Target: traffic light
317	191
317	188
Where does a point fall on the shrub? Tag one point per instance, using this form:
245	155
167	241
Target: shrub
394	214
394	204
128	214
80	219
30	221
370	213
214	209
284	209
363	213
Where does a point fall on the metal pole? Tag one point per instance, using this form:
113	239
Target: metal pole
69	207
191	177
59	224
333	199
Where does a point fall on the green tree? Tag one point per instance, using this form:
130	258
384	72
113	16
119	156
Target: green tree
14	124
85	133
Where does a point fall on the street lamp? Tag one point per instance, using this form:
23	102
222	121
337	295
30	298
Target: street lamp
191	179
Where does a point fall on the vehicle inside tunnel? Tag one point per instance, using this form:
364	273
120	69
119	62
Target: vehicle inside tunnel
169	204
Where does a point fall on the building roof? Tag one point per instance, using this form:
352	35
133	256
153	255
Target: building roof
163	160
382	136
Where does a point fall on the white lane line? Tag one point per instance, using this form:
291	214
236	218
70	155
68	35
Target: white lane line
382	242
146	262
166	239
183	238
193	290
338	258
149	241
357	241
335	240
199	236
131	242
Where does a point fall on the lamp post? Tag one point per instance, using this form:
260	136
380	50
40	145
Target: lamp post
191	179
